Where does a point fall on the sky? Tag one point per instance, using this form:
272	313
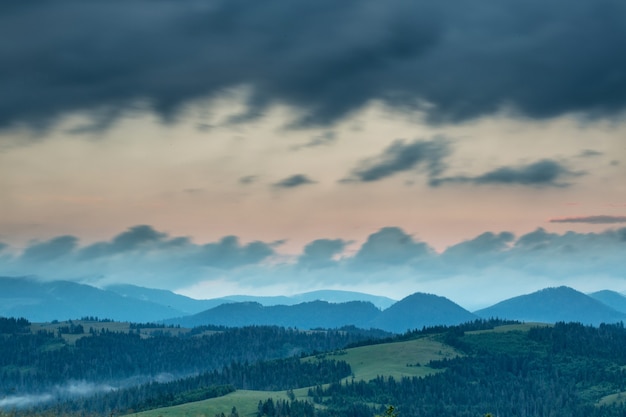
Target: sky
217	147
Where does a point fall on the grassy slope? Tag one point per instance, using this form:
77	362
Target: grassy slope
397	359
245	401
367	362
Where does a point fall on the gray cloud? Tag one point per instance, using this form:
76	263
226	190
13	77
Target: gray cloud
537	239
320	252
323	139
481	251
248	179
589	153
601	219
145	241
544	173
228	253
401	156
50	250
133	238
487	242
294	181
452	60
140	255
390	246
389	257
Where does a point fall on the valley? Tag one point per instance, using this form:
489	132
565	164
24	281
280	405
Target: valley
556	352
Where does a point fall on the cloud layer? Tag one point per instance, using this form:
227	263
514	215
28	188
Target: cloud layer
325	59
293	181
401	156
493	262
544	173
602	219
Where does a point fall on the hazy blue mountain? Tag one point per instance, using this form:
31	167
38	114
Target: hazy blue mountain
331	296
307	315
337	296
419	310
186	305
415	311
554	304
61	300
612	299
191	306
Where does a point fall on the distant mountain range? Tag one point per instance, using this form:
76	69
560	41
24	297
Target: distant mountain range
61	300
307	315
415	311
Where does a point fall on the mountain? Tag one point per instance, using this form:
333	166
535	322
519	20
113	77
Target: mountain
192	306
612	299
413	312
308	315
419	310
331	296
551	305
337	296
60	300
186	305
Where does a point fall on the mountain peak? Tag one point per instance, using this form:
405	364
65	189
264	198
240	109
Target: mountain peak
554	304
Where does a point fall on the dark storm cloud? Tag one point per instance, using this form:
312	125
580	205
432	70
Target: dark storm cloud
320	252
544	173
50	250
294	181
602	219
401	156
454	60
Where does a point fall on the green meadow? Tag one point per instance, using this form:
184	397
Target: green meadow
398	359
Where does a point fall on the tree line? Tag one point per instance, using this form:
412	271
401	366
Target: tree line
276	375
31	363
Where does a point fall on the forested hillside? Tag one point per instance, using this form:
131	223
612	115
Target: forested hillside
33	362
485	366
562	370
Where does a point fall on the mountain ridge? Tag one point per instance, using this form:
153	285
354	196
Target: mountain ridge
61	300
554	304
413	312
